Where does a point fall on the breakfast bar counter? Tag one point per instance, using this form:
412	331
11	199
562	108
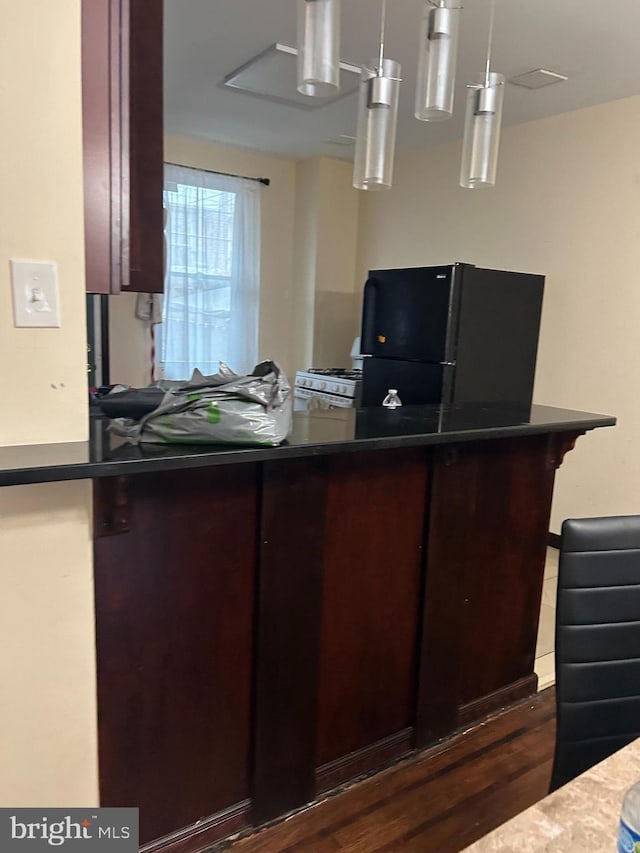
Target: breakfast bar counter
273	622
313	434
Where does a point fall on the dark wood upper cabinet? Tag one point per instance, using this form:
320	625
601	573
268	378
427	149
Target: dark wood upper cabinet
122	88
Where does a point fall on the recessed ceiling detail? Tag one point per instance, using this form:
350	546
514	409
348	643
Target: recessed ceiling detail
272	75
343	140
538	79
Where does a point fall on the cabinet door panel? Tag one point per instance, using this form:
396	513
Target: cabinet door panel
288	628
122	85
104	100
174	623
146	146
488	531
371	599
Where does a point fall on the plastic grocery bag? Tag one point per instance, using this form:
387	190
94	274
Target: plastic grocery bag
221	409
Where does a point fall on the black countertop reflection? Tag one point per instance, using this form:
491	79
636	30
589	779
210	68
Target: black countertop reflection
314	433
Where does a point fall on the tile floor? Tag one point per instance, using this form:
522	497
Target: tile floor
544	665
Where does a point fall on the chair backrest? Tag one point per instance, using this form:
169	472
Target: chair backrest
597	642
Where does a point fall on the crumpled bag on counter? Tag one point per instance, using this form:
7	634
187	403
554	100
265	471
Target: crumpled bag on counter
221	409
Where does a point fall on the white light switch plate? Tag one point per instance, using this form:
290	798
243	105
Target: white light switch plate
35	294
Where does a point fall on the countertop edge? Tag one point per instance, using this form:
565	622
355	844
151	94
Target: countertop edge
206	458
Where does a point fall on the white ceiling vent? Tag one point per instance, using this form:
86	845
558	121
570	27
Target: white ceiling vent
272	75
538	79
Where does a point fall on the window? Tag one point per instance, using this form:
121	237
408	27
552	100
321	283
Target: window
213	273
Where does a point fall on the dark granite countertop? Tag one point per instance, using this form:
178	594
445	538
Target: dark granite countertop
314	433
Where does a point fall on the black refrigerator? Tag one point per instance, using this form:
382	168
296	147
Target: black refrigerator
450	334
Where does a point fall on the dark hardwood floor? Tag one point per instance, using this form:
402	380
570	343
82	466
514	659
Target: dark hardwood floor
438	802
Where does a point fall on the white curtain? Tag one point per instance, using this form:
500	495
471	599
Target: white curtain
212	285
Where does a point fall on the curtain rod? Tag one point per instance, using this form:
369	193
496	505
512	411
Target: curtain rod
264	181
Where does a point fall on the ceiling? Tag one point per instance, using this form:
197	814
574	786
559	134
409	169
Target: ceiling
594	42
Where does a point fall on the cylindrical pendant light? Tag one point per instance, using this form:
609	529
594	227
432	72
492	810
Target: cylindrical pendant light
318	47
482	131
483	124
437	58
377	121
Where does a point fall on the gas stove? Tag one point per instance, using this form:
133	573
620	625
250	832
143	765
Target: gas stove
329	386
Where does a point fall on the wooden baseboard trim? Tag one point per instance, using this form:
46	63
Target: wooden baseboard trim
363	761
201	835
554	540
474	711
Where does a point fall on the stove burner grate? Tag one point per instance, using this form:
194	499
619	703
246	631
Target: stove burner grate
337	372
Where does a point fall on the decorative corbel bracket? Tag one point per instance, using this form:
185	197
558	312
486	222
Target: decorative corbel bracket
560	443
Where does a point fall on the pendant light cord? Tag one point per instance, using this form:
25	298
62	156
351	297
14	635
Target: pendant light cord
383	24
492	18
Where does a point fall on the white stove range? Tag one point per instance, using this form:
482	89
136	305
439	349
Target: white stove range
330	386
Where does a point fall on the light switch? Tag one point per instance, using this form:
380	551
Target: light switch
35	294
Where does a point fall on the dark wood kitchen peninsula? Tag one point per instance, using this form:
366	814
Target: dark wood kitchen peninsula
272	622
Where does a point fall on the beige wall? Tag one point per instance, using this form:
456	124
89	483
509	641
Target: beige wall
305	259
130	343
326	297
47	657
567	204
337	301
47	709
42	218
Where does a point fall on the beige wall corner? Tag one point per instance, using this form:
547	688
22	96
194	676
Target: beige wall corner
566	205
47	655
325	312
305	260
338	287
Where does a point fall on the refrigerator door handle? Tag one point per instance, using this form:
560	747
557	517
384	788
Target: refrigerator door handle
368	318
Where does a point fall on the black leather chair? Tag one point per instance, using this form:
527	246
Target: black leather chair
597	642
